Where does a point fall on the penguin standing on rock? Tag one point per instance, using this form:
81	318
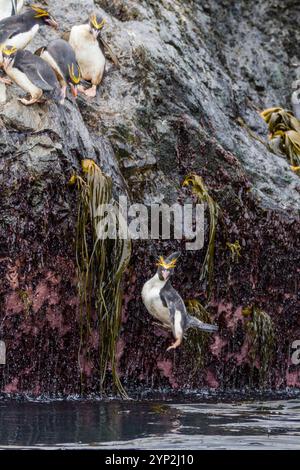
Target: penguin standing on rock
165	304
61	58
10	8
19	30
85	41
32	74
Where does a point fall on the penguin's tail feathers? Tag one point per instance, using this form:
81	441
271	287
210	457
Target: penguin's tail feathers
193	322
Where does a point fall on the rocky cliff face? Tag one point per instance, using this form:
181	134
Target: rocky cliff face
192	78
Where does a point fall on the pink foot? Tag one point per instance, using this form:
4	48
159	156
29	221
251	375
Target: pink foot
175	345
6	81
89	92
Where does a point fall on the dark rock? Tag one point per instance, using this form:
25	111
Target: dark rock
192	80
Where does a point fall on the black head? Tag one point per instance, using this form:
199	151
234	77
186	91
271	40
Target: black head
166	266
74	77
96	24
41	15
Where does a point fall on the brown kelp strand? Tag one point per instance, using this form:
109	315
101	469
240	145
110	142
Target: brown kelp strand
284	135
203	196
261	337
101	262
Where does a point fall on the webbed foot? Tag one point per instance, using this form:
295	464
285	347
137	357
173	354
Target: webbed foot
6	81
89	92
29	102
175	345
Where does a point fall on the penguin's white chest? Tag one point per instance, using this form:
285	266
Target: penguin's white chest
20	41
23	81
49	59
5	9
88	54
153	302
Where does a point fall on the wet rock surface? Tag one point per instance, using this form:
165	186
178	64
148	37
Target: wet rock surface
186	97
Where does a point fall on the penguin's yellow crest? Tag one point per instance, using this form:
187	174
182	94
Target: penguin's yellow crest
9	50
75	79
40	12
171	265
95	22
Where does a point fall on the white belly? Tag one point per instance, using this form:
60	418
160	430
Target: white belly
88	54
47	57
177	325
20	41
5	9
23	81
153	303
20	4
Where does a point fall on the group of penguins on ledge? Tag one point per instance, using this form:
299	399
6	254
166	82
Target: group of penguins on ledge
78	63
49	72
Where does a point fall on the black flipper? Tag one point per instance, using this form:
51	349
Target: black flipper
105	47
16	24
39	73
172	300
169	304
193	322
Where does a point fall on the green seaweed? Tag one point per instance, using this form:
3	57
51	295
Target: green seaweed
203	196
235	251
24	297
101	264
261	336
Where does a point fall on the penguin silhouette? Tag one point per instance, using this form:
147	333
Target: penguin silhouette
164	303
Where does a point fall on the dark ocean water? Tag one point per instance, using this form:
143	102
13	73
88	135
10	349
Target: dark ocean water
150	425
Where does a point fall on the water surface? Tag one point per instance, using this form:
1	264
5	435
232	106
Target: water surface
150	425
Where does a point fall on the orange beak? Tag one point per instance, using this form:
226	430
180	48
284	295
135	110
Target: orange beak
74	90
51	22
95	33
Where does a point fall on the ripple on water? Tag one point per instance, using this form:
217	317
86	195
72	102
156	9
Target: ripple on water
150	425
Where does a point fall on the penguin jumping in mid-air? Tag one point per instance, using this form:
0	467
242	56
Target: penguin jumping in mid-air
32	74
165	304
19	30
10	8
61	57
85	41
